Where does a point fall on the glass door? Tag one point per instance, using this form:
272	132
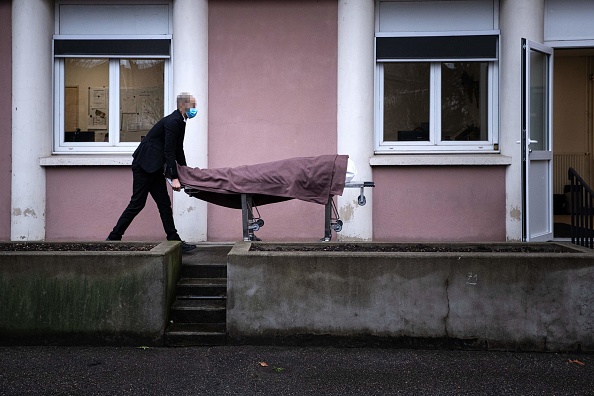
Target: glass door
537	142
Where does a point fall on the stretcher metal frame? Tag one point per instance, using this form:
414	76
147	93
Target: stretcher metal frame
334	223
251	223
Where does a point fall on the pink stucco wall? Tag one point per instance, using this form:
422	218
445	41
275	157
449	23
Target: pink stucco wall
272	95
84	203
434	204
5	117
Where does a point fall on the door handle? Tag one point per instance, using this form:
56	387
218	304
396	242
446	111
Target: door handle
530	141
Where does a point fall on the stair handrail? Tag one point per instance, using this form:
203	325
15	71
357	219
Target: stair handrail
581	209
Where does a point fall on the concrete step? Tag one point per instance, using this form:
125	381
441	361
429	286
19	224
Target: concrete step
196	334
200	270
198	315
208	254
206	261
188	288
199	311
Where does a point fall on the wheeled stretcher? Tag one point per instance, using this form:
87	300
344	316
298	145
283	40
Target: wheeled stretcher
251	221
311	179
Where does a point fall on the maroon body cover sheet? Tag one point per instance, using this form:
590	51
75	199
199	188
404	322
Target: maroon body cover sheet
310	179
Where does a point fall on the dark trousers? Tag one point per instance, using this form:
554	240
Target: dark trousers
143	184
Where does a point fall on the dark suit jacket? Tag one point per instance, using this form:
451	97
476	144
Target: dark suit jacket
163	145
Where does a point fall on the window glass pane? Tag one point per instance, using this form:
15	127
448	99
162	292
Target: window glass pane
464	101
141	97
86	92
539	105
406	101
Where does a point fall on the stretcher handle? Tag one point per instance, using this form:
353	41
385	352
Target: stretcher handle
359	184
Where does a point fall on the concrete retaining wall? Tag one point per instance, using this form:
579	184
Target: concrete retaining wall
105	297
528	301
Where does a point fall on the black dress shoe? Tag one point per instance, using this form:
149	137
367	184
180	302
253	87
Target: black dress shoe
187	247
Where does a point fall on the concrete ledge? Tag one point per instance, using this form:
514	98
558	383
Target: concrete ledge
87	160
93	297
539	301
433	159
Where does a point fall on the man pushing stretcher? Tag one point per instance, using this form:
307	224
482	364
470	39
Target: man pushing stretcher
311	179
162	147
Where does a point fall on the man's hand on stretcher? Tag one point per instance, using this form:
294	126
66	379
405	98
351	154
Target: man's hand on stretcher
175	184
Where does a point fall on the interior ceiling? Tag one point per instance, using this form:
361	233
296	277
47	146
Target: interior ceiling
574	52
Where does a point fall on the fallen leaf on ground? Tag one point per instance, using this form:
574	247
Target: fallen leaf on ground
263	364
577	362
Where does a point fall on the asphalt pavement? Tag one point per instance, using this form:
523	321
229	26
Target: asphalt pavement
279	370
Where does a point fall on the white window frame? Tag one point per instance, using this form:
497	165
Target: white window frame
435	144
113	145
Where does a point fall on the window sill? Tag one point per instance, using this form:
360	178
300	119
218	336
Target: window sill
437	160
86	160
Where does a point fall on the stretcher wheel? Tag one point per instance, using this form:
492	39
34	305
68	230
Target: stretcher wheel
362	200
337	226
256	225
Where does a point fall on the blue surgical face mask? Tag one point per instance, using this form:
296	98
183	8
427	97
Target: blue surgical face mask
191	112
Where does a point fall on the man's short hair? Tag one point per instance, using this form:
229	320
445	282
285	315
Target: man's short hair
182	98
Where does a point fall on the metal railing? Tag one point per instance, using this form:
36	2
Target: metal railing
581	208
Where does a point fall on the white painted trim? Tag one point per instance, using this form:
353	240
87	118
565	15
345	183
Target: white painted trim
114	146
32	26
569	43
437	160
190	74
519	20
435	144
355	110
